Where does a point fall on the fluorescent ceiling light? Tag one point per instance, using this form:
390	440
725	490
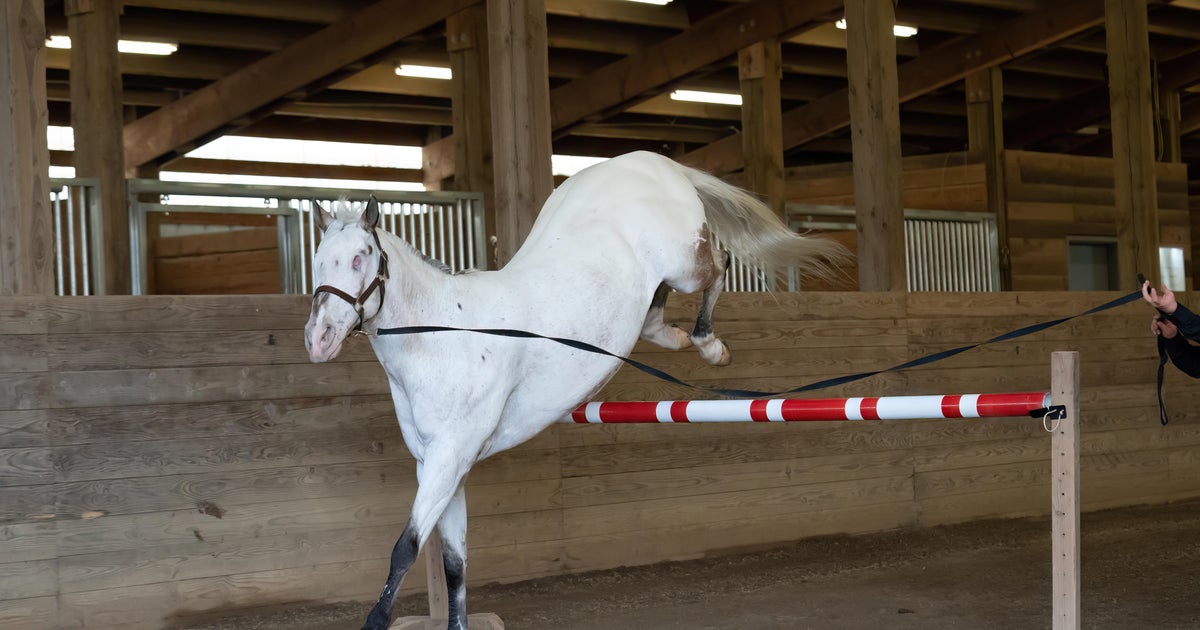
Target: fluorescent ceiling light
658	2
721	98
123	45
899	30
424	72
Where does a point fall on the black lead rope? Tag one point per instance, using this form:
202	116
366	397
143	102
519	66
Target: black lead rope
1162	364
749	393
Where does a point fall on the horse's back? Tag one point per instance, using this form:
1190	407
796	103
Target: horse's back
641	199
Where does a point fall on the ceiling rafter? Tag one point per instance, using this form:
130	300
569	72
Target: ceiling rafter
302	68
1091	106
634	78
920	76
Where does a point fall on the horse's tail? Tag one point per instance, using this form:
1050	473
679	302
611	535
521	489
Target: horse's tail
751	230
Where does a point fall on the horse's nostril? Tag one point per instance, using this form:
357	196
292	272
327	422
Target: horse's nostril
328	336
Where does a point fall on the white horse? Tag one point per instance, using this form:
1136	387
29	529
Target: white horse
597	267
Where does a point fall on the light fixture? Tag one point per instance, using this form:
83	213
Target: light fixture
424	72
123	45
899	30
697	96
658	2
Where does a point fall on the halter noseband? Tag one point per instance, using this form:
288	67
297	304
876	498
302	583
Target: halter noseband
381	275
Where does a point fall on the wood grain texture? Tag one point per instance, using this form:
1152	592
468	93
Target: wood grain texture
166	461
26	245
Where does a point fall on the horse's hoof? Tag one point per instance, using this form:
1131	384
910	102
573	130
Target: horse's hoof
713	351
683	339
726	356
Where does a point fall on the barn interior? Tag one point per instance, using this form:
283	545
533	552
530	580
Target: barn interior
168	453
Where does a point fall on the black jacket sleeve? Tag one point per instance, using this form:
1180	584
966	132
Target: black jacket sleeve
1184	355
1187	321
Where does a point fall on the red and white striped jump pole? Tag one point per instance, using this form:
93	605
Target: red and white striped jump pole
813	410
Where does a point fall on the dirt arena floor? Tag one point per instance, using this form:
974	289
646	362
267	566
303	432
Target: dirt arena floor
1141	569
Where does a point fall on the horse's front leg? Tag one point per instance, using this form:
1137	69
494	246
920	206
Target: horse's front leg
438	480
453	529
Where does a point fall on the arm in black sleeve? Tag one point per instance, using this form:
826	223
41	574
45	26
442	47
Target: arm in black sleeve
1184	355
1187	321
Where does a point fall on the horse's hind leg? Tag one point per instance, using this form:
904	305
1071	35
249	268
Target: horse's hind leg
656	331
712	349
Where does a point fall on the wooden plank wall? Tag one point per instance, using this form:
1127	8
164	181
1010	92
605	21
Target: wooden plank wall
168	457
238	255
951	181
1052	197
242	262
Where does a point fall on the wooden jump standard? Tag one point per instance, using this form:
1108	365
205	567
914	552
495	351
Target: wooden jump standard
1064	384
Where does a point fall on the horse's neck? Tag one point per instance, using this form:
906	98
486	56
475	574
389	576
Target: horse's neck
414	282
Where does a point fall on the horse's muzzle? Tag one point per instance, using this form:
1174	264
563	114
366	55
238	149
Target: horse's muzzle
321	340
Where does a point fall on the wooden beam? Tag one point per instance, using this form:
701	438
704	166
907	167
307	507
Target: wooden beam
520	118
985	141
335	131
437	159
324	12
27	238
641	75
932	70
1179	73
366	112
1189	118
875	134
759	71
97	116
270	169
1059	117
665	132
1171	147
200	29
288	169
290	74
315	11
1134	189
467	43
669	16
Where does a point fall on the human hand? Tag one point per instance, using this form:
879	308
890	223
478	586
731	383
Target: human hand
1164	302
1164	328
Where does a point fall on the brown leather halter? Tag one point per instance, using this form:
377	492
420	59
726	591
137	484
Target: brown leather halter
381	275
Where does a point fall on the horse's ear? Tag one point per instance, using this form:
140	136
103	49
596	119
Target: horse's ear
370	216
323	217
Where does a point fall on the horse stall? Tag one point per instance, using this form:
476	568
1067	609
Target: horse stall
170	458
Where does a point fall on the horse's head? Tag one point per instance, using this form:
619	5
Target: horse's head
349	270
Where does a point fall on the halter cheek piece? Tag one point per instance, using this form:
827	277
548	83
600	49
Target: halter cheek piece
381	275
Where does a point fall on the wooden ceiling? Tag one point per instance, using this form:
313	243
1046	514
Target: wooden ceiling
1052	53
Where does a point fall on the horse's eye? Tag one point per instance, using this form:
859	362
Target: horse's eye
357	262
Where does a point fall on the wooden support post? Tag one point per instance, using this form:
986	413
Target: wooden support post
466	40
27	238
1135	191
760	70
985	141
1064	486
519	79
1170	114
875	137
98	119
